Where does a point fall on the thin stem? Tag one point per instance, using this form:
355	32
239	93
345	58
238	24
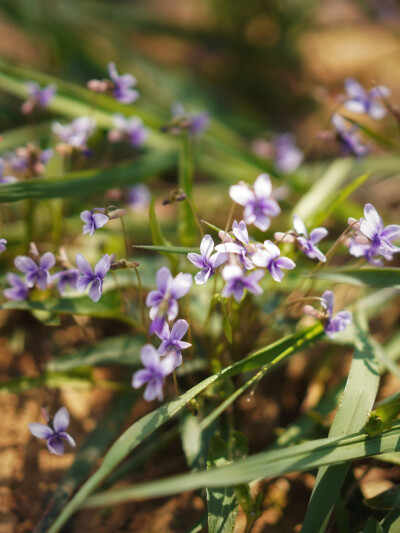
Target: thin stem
141	299
196	216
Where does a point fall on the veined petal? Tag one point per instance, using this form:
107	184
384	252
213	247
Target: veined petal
99	220
164	334
163	279
55	445
196	259
153	298
218	259
86	216
47	261
391	232
83	265
103	266
275	272
95	289
61	420
179	330
83	282
329	301
201	277
25	264
66	436
285	263
299	226
318	234
241	193
149	356
206	246
41	431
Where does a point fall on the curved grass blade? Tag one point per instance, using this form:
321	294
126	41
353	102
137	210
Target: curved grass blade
167	249
357	401
296	458
272	354
379	277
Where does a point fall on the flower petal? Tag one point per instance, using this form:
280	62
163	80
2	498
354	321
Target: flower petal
299	226
241	193
149	356
61	420
83	265
140	377
206	246
55	445
163	279
47	261
262	186
103	266
318	234
95	289
179	330
25	264
180	285
41	431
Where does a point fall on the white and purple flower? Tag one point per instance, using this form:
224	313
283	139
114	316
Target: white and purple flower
37	96
307	242
237	282
156	369
76	133
131	129
36	273
205	261
5	179
361	101
3	243
122	86
332	324
269	257
349	137
94	278
19	289
239	245
94	219
54	432
259	206
163	301
172	342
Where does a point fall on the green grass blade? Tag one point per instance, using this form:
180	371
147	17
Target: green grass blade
168	249
379	277
372	526
356	403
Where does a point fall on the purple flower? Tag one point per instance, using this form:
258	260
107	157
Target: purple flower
240	245
349	137
5	179
139	196
193	123
19	289
122	86
259	205
288	156
269	257
54	432
307	243
332	324
37	96
3	243
381	238
163	301
36	273
156	369
130	128
66	277
93	220
207	263
171	340
93	278
237	282
361	101
76	133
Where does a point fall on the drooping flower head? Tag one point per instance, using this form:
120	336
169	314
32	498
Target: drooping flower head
172	342
37	96
163	301
349	137
122	88
205	261
156	369
94	278
54	432
361	101
93	220
259	206
237	282
332	324
131	129
64	278
19	289
307	242
269	257
3	243
36	273
76	133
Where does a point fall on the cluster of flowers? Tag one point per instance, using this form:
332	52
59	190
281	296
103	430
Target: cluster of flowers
358	100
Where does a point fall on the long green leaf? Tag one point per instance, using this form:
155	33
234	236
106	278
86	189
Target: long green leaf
372	277
357	401
297	458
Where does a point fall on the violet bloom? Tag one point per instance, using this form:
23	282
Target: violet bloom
172	340
36	273
156	369
76	133
93	220
269	257
3	243
122	90
5	179
205	261
37	96
163	301
349	137
237	282
54	432
332	324
94	278
380	237
139	196
193	123
240	245
308	242
64	278
259	205
131	129
288	156
361	101
19	289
